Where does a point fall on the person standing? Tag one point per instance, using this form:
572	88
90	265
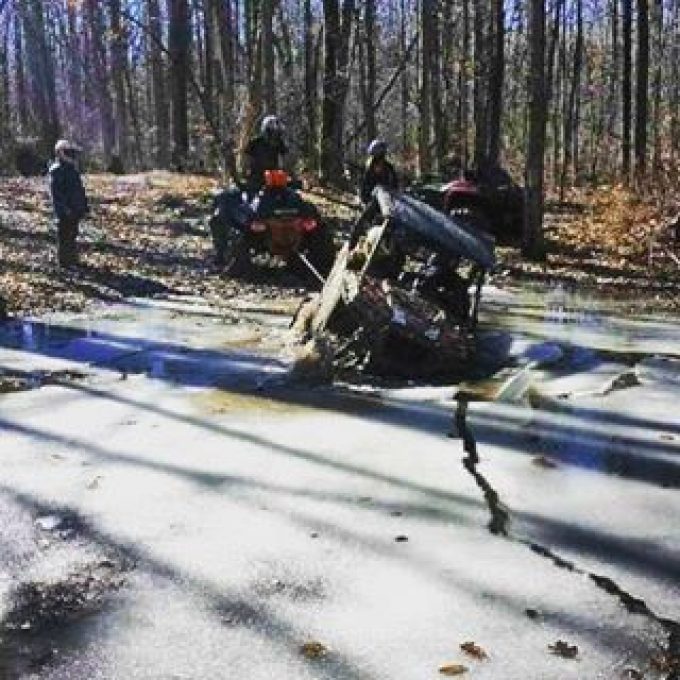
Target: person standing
69	200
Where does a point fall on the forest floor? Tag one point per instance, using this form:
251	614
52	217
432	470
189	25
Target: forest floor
148	236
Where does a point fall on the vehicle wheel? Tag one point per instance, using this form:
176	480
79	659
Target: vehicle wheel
231	247
320	250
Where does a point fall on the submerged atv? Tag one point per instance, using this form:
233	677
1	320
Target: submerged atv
489	199
277	222
404	294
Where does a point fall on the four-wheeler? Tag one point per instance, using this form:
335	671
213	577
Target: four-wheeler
489	199
277	222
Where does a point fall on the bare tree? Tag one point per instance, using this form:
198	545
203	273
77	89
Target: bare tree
641	88
180	38
533	245
337	34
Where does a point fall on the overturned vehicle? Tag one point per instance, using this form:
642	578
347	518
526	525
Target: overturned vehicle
403	297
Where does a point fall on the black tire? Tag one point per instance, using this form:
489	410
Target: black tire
232	251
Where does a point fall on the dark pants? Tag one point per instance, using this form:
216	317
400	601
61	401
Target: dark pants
67	231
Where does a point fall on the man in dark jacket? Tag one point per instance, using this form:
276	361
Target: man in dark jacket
69	200
379	171
264	152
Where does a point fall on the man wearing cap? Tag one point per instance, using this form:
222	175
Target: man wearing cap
69	200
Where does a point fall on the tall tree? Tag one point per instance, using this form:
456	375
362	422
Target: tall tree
427	32
179	42
626	86
42	75
497	60
97	62
533	245
119	67
337	34
311	82
161	119
267	50
641	88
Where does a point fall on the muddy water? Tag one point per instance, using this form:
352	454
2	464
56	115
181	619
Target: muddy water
183	341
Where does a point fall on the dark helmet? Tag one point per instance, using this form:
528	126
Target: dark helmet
377	149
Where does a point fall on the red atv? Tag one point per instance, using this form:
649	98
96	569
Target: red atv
490	200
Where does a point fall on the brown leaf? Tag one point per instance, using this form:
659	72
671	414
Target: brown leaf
666	663
474	650
313	650
453	669
564	649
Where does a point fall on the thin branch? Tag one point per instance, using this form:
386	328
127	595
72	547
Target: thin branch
387	89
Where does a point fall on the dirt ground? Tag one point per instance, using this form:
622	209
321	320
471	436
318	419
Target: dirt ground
148	236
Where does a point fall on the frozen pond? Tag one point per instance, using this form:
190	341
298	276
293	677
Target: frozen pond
175	503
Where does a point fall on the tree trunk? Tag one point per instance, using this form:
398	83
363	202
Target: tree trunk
570	124
337	33
481	81
179	40
209	58
533	245
5	106
369	82
41	71
675	80
405	83
119	68
641	89
497	60
439	122
465	89
75	68
626	86
97	61
267	50
21	89
427	10
311	90
158	88
656	87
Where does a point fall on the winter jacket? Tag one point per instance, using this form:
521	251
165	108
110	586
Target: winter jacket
264	153
372	178
67	190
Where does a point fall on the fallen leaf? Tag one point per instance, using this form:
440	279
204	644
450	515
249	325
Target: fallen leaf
666	663
564	649
313	650
532	613
401	539
453	669
474	650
